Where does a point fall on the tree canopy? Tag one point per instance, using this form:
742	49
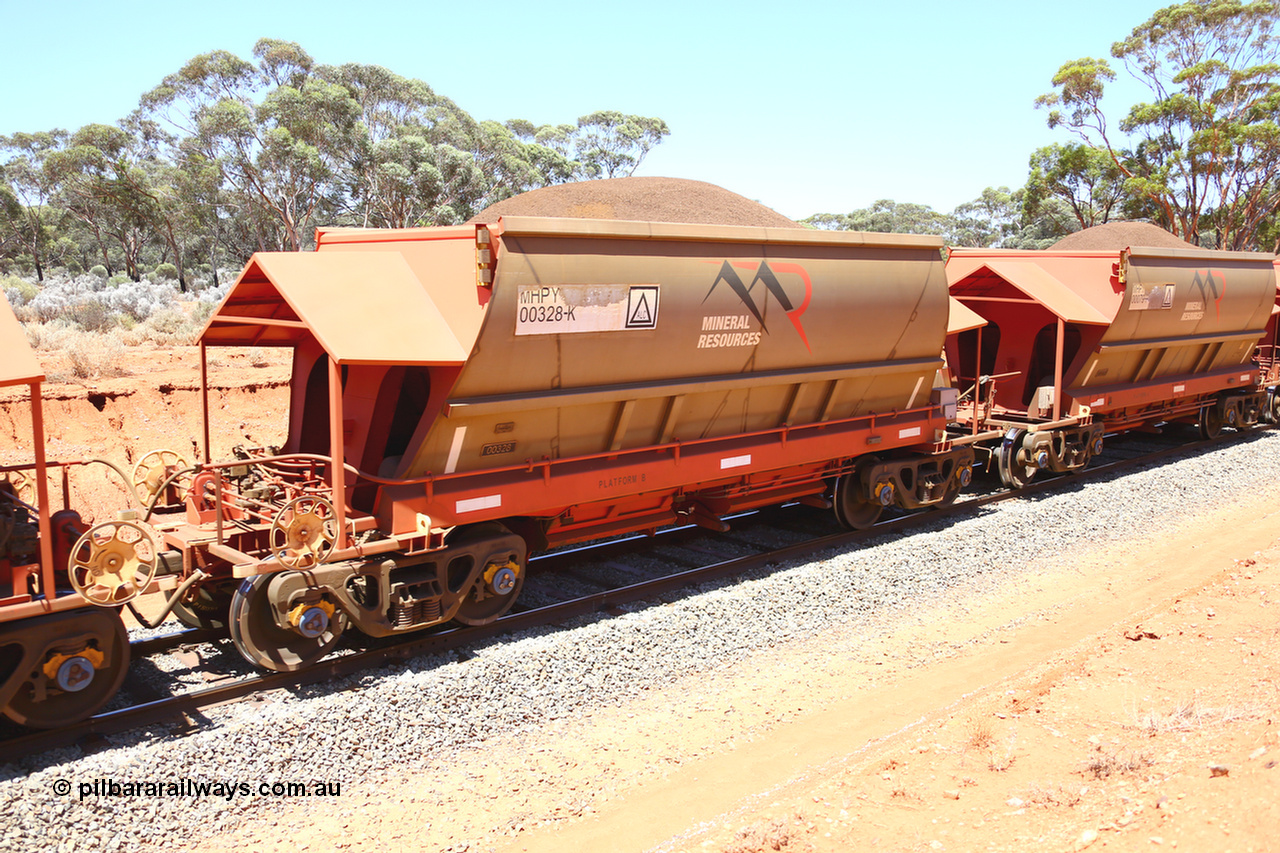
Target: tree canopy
996	218
1202	155
226	156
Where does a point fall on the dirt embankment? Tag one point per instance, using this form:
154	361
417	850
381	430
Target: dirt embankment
154	403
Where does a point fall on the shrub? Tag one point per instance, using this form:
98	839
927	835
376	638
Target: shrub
95	355
140	299
52	337
167	327
100	271
18	290
166	272
90	315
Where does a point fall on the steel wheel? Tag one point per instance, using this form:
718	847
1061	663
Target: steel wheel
952	492
208	605
88	687
1016	469
495	591
853	510
1210	422
264	643
492	595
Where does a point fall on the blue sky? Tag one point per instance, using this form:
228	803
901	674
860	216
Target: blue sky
807	108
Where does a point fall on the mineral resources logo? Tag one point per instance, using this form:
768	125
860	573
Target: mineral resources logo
736	330
1207	282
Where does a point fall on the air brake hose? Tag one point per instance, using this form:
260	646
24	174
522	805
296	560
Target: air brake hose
197	575
151	507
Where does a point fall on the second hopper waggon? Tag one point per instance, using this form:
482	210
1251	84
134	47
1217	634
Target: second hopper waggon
1078	343
465	396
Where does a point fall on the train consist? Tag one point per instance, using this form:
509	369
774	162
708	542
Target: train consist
465	396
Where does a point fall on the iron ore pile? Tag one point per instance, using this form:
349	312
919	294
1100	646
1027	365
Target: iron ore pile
1119	235
641	200
420	718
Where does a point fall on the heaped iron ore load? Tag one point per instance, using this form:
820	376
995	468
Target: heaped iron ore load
1078	343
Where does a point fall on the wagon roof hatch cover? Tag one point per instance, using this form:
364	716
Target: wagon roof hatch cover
18	366
1038	284
362	307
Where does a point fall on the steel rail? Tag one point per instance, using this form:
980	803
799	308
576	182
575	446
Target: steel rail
183	705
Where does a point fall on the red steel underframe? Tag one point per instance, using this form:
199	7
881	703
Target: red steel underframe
794	459
1162	398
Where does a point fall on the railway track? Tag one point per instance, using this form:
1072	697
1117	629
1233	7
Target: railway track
182	710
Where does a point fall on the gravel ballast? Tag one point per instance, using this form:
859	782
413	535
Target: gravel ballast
425	713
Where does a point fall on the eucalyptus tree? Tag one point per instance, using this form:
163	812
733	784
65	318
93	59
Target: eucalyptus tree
1205	150
988	220
1084	178
28	220
105	182
610	144
886	216
278	131
408	163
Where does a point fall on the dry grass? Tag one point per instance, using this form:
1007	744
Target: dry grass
978	735
167	327
768	835
95	355
1191	715
1053	797
1103	764
1000	762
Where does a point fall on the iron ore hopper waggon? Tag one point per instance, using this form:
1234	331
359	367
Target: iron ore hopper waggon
1076	344
494	390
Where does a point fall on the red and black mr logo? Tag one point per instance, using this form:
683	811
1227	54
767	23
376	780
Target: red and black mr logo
768	276
1208	281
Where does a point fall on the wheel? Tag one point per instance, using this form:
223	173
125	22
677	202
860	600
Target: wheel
1273	408
1210	422
1016	469
952	492
264	643
151	472
853	510
302	535
22	486
75	688
492	595
112	563
494	592
207	605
